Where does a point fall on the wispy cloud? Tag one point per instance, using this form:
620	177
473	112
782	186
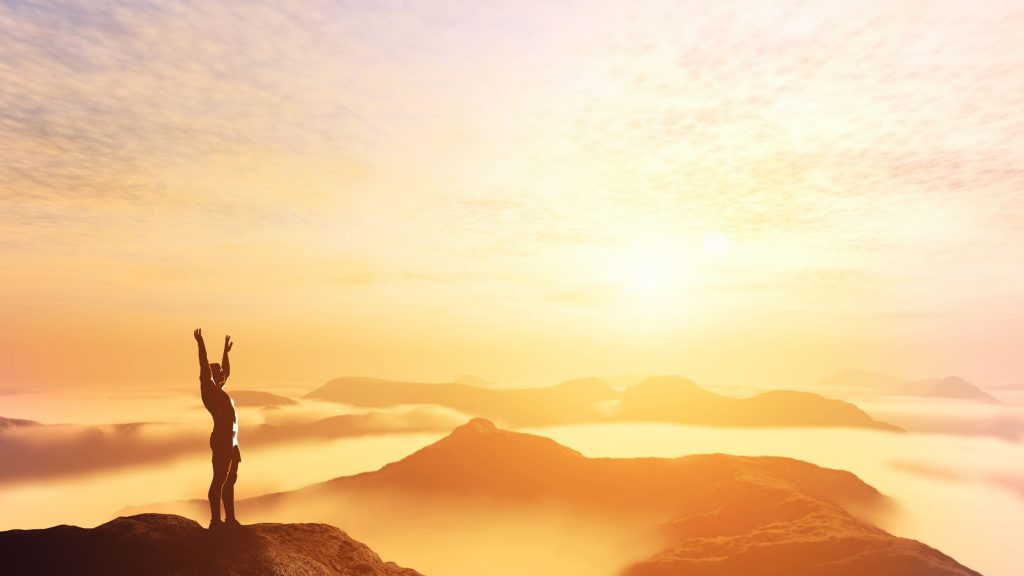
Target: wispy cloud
149	147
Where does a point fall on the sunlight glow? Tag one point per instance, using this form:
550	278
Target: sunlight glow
716	243
653	271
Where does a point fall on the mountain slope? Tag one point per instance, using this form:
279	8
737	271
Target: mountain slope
157	545
789	534
480	459
718	514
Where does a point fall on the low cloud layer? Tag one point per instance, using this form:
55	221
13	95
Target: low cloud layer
1006	480
33	451
952	417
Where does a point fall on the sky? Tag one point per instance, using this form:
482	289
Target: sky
742	192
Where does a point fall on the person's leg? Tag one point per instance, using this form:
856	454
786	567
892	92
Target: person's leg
229	492
220	473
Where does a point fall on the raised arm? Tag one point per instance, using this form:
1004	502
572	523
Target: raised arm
225	364
204	363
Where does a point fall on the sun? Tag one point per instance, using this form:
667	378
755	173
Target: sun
656	270
716	243
653	271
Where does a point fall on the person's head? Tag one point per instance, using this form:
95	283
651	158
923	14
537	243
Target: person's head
218	374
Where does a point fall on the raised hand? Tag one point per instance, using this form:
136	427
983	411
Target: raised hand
204	364
228	343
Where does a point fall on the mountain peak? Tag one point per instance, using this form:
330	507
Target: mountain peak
475	426
481	438
477	454
163	544
947	387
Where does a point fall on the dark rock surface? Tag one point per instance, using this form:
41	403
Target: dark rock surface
161	544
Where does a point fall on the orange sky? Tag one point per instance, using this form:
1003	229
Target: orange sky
736	192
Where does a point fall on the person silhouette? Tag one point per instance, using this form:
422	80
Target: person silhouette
224	439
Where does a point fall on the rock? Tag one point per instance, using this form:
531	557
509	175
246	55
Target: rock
161	544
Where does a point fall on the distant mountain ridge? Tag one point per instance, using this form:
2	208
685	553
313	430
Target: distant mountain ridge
671	399
953	387
166	545
16	423
259	398
948	387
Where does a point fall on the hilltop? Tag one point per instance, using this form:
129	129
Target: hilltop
161	544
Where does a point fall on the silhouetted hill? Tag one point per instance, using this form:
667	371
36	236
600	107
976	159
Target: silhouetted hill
719	514
666	398
16	423
482	459
519	407
472	380
948	387
678	400
420	419
945	387
259	398
158	544
656	399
